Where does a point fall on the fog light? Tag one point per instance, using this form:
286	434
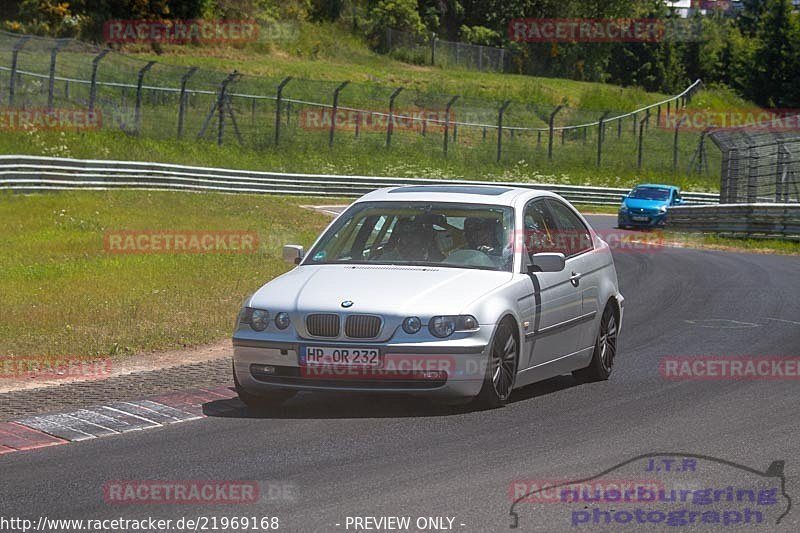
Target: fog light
263	369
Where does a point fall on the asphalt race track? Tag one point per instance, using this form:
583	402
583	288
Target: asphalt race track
327	458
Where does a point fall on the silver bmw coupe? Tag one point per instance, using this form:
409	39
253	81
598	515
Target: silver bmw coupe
455	292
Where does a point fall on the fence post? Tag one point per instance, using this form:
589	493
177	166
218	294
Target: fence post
433	48
779	173
93	87
137	110
278	100
334	109
52	81
675	146
500	114
752	178
447	121
619	128
221	103
641	138
727	175
182	99
14	55
634	124
550	129
600	136
658	117
390	125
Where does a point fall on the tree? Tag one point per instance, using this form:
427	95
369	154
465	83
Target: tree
398	15
773	57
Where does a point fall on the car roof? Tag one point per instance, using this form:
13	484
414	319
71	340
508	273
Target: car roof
657	186
499	194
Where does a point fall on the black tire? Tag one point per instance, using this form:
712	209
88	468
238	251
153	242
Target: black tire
502	368
605	350
263	400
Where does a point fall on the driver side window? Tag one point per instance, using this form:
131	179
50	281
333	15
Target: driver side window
539	228
572	236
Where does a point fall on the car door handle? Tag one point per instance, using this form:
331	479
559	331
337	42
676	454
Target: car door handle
575	278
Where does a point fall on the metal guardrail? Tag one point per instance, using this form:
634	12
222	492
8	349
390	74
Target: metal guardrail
759	220
26	174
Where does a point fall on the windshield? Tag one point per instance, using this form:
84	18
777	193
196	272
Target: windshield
455	235
649	193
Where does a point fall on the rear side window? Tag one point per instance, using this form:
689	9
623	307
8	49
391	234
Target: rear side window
572	237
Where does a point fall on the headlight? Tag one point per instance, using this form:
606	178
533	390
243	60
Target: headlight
282	320
662	209
623	210
444	326
257	319
412	325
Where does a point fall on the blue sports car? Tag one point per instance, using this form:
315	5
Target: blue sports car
646	206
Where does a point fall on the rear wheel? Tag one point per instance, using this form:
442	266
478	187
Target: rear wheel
605	349
502	369
262	400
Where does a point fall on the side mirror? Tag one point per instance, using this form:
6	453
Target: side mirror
293	253
624	197
678	201
547	262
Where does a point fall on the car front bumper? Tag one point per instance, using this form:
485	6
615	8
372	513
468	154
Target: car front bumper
648	221
451	368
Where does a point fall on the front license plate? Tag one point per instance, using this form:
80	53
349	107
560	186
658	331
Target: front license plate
333	355
641	219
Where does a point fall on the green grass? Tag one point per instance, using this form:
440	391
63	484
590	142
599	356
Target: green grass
62	294
330	52
320	57
410	156
744	244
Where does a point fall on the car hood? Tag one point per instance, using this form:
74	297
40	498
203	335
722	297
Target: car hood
636	203
382	289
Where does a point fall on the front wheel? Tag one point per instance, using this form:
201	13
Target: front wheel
605	349
502	369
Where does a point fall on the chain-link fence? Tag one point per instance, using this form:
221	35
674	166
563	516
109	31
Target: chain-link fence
414	48
758	166
158	100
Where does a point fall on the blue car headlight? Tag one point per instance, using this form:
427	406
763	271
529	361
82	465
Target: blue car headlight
662	209
623	209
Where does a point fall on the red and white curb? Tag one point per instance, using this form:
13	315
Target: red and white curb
41	431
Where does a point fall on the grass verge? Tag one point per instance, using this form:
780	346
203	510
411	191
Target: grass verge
63	295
